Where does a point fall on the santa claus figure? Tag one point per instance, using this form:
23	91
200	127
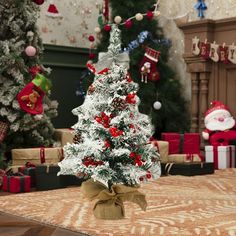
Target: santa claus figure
220	125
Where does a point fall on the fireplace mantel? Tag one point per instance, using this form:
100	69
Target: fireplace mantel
209	80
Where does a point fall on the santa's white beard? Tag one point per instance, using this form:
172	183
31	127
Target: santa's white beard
228	123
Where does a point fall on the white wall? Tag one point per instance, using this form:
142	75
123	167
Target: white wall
80	19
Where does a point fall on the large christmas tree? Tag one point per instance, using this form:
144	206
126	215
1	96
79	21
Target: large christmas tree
23	81
112	135
144	40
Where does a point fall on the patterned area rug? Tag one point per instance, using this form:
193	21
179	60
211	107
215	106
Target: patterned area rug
177	205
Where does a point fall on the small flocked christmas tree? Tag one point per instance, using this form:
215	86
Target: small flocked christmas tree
112	145
25	109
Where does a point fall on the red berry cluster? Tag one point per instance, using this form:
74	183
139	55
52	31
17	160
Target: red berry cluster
107	143
115	132
88	161
130	98
148	175
103	119
137	158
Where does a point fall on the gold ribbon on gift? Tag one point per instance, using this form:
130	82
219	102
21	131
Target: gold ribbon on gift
110	205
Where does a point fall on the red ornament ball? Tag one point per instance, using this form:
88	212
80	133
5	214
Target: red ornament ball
128	24
148	175
149	15
107	28
92	56
38	2
30	51
91	38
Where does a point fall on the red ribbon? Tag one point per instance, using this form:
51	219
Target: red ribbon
42	155
215	156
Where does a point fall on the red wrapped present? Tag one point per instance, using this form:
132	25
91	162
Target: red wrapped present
16	183
188	143
29	169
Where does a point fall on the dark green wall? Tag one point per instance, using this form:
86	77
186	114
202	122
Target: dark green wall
66	63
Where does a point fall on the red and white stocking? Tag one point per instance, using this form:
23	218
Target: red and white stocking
148	66
224	54
205	50
195	46
214	52
232	53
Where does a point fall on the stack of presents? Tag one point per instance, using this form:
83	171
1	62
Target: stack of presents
36	168
181	153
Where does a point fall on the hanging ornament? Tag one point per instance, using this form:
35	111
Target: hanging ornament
38	2
3	130
149	15
30	51
31	96
157	105
232	53
139	16
107	28
97	30
195	46
117	19
224	53
214	52
52	10
128	23
200	7
205	50
148	66
77	138
91	89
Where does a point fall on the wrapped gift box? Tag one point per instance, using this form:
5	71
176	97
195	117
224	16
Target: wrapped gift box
182	158
70	180
30	171
222	156
188	143
187	169
64	136
36	156
163	149
46	177
16	184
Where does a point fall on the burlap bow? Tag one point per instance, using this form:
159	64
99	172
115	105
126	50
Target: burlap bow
107	58
110	205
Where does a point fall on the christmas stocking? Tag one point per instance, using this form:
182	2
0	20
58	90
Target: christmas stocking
195	46
148	66
224	54
214	52
232	53
31	96
205	50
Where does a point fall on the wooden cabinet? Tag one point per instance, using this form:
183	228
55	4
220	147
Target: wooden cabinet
209	80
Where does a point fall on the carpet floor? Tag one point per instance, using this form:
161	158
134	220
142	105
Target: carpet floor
177	205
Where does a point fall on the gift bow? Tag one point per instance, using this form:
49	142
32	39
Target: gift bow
105	60
201	7
110	204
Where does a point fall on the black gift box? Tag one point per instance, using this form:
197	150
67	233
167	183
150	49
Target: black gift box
29	171
70	180
187	169
46	177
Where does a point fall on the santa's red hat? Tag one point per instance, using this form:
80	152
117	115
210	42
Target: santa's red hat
216	108
52	10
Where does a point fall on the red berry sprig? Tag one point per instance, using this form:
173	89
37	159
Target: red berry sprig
103	119
130	98
88	161
137	158
115	132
